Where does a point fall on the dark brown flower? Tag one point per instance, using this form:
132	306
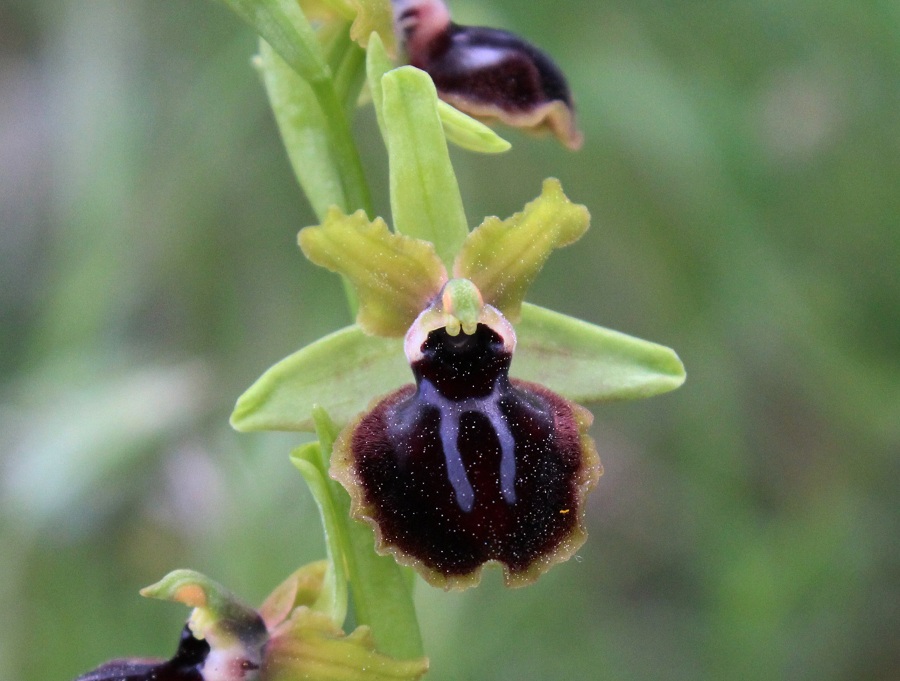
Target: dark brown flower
487	72
469	466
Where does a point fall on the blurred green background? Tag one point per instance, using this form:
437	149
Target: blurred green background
742	167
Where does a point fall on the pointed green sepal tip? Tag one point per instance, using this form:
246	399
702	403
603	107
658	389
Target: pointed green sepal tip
503	257
394	276
218	615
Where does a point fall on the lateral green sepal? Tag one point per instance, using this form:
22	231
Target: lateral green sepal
341	372
588	363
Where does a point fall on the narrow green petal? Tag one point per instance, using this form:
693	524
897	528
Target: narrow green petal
395	276
305	132
587	363
468	133
502	257
281	23
333	598
342	372
425	199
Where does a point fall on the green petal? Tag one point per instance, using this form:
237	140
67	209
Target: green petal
425	199
395	276
310	646
468	133
587	363
502	257
281	23
342	372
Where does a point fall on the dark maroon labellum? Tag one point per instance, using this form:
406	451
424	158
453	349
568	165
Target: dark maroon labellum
470	466
184	666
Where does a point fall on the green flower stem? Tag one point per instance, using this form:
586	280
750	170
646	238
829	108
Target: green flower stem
382	590
282	24
353	180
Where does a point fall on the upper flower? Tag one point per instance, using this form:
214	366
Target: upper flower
487	72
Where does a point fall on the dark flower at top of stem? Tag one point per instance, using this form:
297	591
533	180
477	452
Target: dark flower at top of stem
487	72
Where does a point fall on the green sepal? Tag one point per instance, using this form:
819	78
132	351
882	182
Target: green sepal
394	276
218	615
342	371
281	23
588	363
347	369
332	599
425	198
310	646
469	133
502	257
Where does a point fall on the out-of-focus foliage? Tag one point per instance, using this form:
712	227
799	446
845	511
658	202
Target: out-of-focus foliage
741	167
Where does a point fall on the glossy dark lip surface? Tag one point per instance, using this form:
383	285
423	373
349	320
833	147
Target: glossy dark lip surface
470	466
